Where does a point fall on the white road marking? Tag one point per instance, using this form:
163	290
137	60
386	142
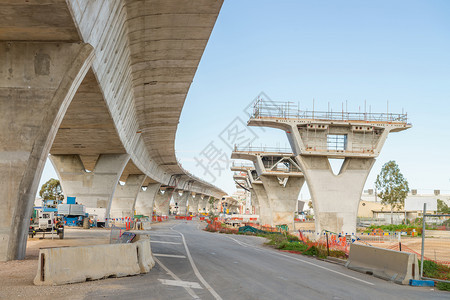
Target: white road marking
188	289
194	267
165	235
169	255
162	242
301	260
193	285
242	244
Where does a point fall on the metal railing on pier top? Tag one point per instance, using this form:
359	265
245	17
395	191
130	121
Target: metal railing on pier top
241	165
251	148
289	110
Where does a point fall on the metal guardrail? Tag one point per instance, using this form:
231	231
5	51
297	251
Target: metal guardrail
290	110
251	148
241	165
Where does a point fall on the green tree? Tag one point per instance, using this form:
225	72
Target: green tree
442	207
51	190
392	186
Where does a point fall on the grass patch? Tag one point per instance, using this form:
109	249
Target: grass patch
292	243
438	271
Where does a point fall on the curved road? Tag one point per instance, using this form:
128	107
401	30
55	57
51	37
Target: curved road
194	264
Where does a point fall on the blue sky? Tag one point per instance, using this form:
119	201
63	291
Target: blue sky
333	52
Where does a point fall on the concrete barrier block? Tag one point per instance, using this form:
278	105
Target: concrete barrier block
145	255
392	265
77	264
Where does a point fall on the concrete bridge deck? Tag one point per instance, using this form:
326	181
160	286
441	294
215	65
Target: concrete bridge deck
92	79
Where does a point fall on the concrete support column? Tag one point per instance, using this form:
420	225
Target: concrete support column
181	200
124	198
202	204
265	212
254	201
216	206
205	204
162	202
93	189
335	198
282	198
193	203
145	200
38	81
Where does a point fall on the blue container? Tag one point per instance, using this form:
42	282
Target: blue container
421	282
71	200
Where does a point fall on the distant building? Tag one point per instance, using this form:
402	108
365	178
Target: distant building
370	205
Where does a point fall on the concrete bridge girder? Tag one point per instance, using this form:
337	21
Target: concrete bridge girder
145	200
35	75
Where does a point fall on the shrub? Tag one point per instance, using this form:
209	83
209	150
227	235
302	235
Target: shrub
311	251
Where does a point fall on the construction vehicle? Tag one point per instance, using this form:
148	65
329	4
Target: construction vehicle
46	222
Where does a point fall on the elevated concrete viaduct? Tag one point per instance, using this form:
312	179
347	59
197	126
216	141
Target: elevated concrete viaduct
316	137
99	85
282	180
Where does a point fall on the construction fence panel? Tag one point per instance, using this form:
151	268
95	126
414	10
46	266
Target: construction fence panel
436	246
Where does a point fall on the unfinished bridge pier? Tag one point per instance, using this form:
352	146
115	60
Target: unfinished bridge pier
282	181
315	138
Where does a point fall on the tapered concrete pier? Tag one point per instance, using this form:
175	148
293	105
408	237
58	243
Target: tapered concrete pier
282	181
316	137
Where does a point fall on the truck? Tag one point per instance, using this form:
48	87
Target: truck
46	222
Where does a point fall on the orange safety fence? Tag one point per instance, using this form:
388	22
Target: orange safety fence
335	241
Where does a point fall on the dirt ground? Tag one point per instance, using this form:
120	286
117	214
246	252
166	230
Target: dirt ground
17	276
435	248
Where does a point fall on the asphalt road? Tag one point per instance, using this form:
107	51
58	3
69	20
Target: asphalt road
195	264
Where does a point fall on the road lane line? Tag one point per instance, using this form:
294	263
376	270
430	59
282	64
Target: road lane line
188	289
169	255
163	242
193	285
164	235
194	267
242	244
303	261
